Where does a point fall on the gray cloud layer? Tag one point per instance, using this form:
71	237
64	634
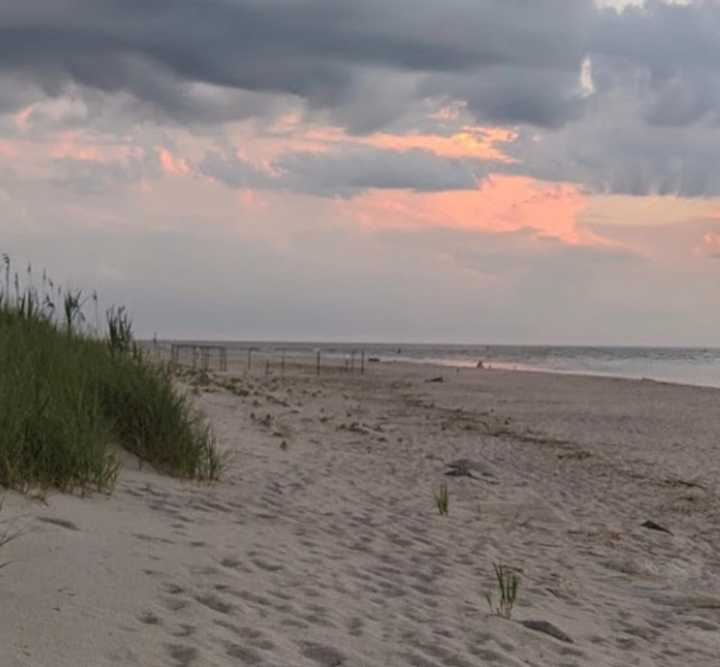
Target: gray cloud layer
347	172
648	127
308	48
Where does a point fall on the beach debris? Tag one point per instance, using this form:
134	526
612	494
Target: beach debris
460	468
690	484
468	468
549	629
480	364
63	523
277	401
327	656
579	455
655	526
439	378
374	360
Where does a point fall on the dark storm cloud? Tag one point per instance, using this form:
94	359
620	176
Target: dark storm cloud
669	54
613	149
347	172
312	49
647	126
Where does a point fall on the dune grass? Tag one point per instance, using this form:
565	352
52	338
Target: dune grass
508	583
69	398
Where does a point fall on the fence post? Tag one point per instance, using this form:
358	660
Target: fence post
282	365
249	359
317	363
362	362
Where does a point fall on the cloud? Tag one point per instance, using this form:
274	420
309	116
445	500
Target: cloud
626	101
361	62
347	171
500	204
711	244
95	177
614	150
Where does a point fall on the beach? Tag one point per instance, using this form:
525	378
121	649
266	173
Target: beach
323	545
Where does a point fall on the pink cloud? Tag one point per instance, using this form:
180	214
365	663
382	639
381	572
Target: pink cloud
471	142
75	146
291	134
172	165
500	204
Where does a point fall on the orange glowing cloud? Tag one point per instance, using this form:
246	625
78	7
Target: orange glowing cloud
500	204
472	142
172	165
291	134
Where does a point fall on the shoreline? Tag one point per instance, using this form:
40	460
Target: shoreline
517	368
323	546
334	354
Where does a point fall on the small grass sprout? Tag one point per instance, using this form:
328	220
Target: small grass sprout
508	582
442	499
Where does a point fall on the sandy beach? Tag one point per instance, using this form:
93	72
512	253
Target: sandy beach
323	545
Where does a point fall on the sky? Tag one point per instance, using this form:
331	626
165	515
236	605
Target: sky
478	171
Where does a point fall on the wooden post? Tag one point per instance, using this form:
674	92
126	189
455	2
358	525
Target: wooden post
352	362
317	363
267	367
249	360
282	365
362	362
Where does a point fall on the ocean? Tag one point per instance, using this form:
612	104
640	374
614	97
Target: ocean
695	366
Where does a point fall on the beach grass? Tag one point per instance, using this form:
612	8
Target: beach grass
70	398
508	583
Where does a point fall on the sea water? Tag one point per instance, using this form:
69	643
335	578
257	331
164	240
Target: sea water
696	366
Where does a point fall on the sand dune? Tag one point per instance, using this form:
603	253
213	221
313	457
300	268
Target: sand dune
323	546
